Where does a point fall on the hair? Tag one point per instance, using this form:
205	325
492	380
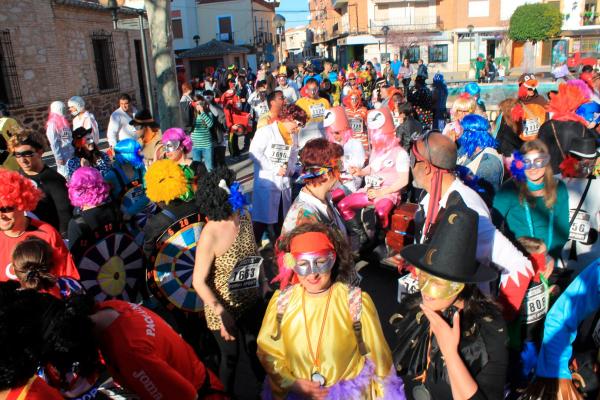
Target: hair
23	137
271	97
165	181
506	107
124	96
211	199
550	183
461	103
311	80
323	153
587	68
56	117
530	244
88	188
83	152
186	87
261	84
343	268
17	191
127	151
475	134
199	100
32	258
179	135
4	112
293	112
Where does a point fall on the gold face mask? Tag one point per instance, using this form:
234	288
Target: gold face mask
438	288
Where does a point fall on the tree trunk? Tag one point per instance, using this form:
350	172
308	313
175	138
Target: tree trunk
159	21
528	64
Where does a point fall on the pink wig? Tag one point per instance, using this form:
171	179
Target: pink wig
346	135
382	142
582	86
88	188
56	117
18	192
179	135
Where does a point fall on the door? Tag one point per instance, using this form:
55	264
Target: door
139	62
517	54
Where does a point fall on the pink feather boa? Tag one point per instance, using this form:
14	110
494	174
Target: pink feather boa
59	122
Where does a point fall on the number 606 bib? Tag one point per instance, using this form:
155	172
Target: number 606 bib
245	274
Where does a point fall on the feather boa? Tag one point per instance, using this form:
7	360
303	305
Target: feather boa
517	167
393	387
469	178
59	122
566	102
567	167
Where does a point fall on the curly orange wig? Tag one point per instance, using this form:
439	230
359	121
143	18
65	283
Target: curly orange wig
348	96
17	191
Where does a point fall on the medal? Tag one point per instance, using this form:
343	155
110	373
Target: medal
421	393
317	377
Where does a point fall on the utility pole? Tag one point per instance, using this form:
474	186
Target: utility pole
159	21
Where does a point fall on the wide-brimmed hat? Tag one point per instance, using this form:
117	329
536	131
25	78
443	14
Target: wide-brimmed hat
144	118
451	253
584	147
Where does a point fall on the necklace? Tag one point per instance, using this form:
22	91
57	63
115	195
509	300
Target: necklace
316	376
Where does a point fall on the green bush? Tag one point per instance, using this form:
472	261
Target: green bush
535	22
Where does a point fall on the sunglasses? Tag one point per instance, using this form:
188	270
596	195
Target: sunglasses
172	145
536	161
23	154
313	263
6	210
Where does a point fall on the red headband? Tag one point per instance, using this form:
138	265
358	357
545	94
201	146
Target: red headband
310	242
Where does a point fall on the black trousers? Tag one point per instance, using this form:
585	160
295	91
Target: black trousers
218	156
259	227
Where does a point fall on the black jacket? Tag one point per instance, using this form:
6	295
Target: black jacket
558	136
88	221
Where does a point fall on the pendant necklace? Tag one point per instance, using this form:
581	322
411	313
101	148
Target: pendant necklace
316	375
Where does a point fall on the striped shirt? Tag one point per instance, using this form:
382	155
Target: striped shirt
201	137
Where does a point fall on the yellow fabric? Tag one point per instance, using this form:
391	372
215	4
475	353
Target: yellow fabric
9	125
305	103
264	120
287	137
288	358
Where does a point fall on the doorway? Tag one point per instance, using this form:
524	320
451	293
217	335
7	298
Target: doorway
139	61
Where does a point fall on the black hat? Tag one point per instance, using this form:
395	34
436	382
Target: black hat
451	253
81	132
584	147
144	118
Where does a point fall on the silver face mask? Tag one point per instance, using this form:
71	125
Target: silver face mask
172	145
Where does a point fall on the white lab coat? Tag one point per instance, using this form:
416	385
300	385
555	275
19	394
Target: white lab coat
269	187
119	128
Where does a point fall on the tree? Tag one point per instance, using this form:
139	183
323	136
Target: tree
531	23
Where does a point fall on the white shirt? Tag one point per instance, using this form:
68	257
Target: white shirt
289	93
119	128
87	120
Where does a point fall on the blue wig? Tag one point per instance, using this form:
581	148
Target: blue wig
333	77
473	89
589	111
475	134
438	79
128	151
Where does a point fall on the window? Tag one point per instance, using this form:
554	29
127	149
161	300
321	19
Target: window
177	28
479	8
10	93
106	64
225	29
438	53
413	54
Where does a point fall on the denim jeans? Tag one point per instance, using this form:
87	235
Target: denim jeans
204	154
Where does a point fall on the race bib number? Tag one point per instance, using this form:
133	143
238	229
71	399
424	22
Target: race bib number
262	109
580	229
536	303
356	124
66	134
317	111
245	274
280	153
373	181
408	284
531	127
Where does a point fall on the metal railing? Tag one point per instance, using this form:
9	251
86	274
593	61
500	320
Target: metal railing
407	24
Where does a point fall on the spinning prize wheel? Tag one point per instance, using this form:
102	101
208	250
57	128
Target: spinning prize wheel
111	265
169	275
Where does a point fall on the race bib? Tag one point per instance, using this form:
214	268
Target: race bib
373	181
356	124
262	109
536	303
580	229
317	111
280	153
66	134
531	127
245	274
408	284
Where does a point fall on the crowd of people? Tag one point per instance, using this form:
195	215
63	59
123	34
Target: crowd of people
142	270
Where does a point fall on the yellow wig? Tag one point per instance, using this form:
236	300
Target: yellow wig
165	181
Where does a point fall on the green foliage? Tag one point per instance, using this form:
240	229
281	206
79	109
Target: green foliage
535	22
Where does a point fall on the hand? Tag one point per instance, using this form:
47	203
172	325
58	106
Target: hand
84	163
373	194
309	389
282	171
227	326
61	162
446	336
354	171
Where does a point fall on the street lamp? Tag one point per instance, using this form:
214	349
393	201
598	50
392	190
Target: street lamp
385	30
196	39
113	6
470	29
279	23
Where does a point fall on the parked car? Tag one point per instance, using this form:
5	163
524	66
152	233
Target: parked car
577	60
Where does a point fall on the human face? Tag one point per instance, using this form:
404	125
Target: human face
282	81
460	114
29	159
278	102
435	288
124	104
73	111
89	142
314	270
419	167
312	90
585	167
535	164
9	218
173	150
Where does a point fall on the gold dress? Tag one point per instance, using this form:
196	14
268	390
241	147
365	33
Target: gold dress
289	357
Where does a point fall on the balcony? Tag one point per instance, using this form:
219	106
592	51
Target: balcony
225	37
412	24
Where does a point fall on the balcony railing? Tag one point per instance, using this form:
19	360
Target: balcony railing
412	24
225	37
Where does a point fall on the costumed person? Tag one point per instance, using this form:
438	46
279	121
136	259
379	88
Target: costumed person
314	107
274	151
579	172
458	350
83	118
534	203
357	117
351	83
219	129
307	344
290	93
148	135
126	178
420	97
259	105
407	127
530	112
564	124
462	106
474	91
477	152
339	131
439	96
527	93
53	208
508	128
8	126
176	146
385	175
17	196
554	379
119	125
32	261
58	132
228	274
89	192
237	120
87	153
433	160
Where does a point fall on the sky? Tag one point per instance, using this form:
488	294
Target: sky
295	12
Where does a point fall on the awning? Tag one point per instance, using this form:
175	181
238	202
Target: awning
358	39
214	48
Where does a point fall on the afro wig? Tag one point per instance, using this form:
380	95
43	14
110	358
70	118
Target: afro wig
177	134
213	198
128	151
564	104
475	134
87	187
17	191
165	181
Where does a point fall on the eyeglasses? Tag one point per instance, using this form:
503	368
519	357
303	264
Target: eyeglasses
24	154
536	161
172	145
313	263
6	210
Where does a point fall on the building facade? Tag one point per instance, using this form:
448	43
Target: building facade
297	44
185	25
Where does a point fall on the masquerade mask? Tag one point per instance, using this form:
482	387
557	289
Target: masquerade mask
319	262
354	99
5	210
23	154
172	145
209	98
438	288
536	160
